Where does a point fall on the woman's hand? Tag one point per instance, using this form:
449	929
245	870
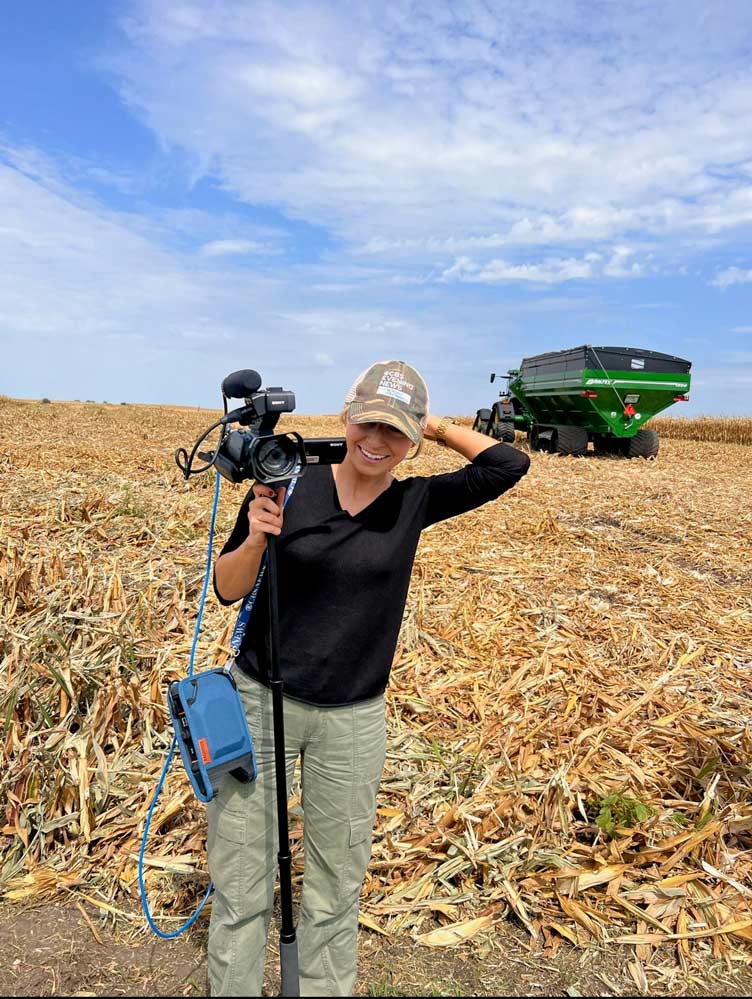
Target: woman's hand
469	443
432	423
265	514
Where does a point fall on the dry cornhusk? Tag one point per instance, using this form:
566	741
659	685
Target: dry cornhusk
588	635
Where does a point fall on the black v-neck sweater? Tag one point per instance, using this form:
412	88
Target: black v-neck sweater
343	580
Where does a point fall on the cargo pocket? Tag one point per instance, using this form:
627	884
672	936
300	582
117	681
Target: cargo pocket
360	830
226	848
253	697
231	827
232	795
358	855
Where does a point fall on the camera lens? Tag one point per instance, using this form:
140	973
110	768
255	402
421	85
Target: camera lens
277	457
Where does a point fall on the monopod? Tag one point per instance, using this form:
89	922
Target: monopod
288	943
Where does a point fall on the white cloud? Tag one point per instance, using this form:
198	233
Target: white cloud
229	247
548	271
621	265
72	270
458	129
207	335
732	275
324	360
494	271
742	329
451	173
67	267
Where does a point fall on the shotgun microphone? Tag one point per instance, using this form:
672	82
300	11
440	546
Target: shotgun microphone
241	384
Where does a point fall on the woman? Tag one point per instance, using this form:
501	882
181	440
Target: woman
347	542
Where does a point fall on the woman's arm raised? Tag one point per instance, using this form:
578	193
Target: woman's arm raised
469	443
494	468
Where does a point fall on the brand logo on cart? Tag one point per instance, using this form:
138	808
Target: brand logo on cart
643	383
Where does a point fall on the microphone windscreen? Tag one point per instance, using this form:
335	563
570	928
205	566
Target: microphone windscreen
241	384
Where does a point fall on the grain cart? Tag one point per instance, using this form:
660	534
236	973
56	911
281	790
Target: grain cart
566	398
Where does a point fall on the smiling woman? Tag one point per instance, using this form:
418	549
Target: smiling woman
346	546
380	430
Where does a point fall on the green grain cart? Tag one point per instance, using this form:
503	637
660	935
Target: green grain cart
566	398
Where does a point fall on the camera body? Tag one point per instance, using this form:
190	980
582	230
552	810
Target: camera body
245	454
257	452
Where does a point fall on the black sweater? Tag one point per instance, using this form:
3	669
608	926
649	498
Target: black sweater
343	580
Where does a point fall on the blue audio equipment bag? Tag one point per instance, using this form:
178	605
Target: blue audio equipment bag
212	731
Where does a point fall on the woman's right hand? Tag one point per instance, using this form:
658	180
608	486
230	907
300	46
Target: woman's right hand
265	514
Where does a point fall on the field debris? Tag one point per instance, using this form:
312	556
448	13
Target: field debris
570	710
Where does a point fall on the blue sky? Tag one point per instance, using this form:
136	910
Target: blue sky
188	188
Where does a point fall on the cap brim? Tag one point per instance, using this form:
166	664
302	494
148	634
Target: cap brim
371	413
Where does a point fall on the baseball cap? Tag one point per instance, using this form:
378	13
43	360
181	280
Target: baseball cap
390	392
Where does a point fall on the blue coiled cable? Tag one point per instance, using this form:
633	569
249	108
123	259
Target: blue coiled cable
144	902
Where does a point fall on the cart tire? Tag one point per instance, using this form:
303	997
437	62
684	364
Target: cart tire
482	419
644	444
571	440
542	438
604	444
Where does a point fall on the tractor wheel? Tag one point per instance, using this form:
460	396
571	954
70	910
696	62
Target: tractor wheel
505	432
482	419
571	440
644	444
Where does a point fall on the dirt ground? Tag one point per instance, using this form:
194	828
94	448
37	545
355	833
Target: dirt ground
57	950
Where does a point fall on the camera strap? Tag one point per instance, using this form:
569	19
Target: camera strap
245	611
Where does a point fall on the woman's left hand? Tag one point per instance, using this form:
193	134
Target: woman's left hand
431	424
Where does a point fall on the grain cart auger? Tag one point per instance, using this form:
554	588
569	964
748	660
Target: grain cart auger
566	398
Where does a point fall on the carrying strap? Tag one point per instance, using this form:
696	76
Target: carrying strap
245	611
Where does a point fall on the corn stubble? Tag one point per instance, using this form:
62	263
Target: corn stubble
570	711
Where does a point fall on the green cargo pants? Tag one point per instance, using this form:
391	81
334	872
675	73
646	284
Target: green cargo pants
342	757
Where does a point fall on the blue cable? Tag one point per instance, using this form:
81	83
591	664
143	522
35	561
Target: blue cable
142	887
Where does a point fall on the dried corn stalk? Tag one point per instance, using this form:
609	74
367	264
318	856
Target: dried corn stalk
570	710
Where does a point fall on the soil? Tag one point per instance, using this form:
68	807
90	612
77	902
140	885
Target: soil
56	950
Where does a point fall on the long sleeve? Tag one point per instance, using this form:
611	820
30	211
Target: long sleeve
490	474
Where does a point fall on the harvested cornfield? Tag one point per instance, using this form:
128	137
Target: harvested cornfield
570	711
715	429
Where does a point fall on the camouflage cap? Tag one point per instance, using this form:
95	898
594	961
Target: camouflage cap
390	392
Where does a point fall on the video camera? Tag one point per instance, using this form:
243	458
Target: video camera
257	452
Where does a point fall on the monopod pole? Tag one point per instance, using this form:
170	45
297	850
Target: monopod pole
288	944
